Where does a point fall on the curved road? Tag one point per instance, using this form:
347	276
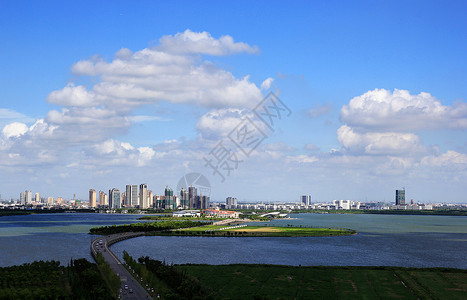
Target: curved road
130	288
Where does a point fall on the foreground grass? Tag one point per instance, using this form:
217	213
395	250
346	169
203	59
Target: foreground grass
258	231
286	282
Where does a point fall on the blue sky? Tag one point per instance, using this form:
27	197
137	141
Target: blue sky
319	54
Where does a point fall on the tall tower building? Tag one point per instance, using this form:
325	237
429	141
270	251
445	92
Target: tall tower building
28	195
231	202
92	198
37	198
305	200
102	198
22	198
132	195
150	196
169	198
184	201
115	198
192	195
400	197
204	202
143	196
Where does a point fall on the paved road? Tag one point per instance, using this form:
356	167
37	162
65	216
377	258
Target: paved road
130	289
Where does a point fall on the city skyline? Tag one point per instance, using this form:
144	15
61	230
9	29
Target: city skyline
373	97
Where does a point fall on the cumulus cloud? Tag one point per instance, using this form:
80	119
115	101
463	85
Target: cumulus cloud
203	43
379	143
172	71
14	129
218	123
380	109
113	152
450	158
72	95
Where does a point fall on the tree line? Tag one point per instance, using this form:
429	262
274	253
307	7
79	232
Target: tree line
81	279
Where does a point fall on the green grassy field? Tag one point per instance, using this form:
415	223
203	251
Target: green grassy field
213	230
286	282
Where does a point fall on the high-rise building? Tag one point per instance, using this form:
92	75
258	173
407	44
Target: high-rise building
22	198
204	202
305	200
37	198
50	200
28	195
231	202
192	195
115	198
92	198
132	195
150	196
102	198
184	200
169	198
143	196
400	197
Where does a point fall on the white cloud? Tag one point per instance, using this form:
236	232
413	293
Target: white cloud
302	159
379	143
380	109
203	43
450	158
218	123
267	83
172	71
72	95
113	152
14	129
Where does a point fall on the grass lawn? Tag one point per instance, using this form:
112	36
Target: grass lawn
287	282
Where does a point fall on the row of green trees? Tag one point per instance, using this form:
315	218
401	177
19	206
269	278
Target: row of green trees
168	281
145	227
49	280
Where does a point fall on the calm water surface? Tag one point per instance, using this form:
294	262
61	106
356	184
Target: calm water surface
412	241
60	237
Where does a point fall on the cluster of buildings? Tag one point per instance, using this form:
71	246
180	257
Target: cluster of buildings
190	198
28	199
144	198
305	203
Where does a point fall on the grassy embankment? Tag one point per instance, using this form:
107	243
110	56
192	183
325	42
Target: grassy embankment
259	231
198	228
286	282
169	217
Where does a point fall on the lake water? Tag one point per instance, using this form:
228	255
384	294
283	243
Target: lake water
411	241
